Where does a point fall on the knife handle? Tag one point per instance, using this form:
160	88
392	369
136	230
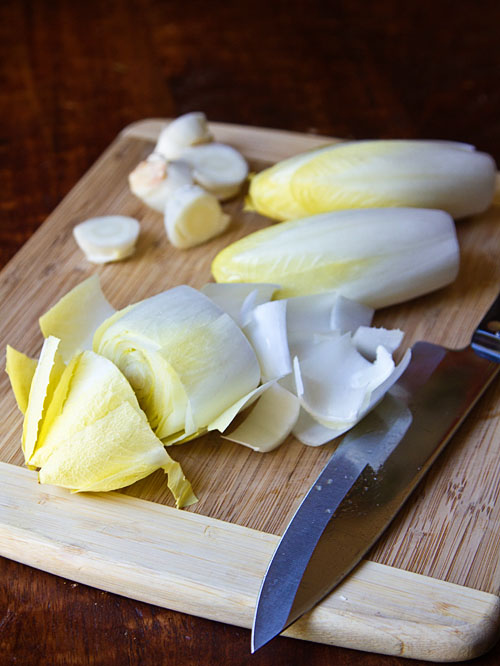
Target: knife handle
486	338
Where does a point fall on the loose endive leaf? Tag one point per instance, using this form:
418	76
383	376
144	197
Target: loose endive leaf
89	388
310	431
45	379
234	298
224	420
75	318
267	331
447	175
334	383
20	369
314	315
270	421
377	257
367	339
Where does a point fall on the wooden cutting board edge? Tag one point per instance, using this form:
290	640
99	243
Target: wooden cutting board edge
210	568
378	608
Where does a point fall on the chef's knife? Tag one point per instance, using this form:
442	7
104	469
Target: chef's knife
371	474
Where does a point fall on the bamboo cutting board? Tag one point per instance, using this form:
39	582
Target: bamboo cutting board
428	590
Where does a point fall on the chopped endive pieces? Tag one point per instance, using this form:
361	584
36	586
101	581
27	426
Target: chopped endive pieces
193	216
154	180
112	452
76	316
270	421
20	369
377	257
447	175
313	430
108	238
218	168
187	130
180	352
334	382
176	366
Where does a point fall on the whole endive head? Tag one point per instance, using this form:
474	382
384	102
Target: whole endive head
377	256
446	175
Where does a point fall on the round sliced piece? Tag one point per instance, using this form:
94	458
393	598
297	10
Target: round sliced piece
193	216
107	238
218	168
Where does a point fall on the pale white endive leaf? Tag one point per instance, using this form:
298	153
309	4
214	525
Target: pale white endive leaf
308	431
222	422
323	383
335	381
312	317
270	421
367	339
267	331
232	297
312	432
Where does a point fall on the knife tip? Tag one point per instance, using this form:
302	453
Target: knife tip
263	635
259	641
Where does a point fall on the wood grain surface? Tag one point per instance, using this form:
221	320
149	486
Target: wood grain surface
75	74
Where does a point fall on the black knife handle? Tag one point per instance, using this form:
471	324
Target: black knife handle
486	338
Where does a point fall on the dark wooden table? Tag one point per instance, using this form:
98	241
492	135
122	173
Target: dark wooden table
74	73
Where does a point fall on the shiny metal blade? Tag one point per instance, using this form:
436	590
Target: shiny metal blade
366	481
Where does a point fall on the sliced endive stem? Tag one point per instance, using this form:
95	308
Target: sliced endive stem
189	129
154	180
193	216
218	168
377	257
107	238
447	175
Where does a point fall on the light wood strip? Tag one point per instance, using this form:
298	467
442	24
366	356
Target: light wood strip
213	569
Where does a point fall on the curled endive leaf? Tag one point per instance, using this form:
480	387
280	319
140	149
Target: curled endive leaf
76	316
377	257
187	360
447	175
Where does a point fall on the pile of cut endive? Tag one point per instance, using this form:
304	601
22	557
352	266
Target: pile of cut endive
112	389
283	338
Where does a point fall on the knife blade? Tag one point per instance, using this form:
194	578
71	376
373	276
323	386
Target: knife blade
372	473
